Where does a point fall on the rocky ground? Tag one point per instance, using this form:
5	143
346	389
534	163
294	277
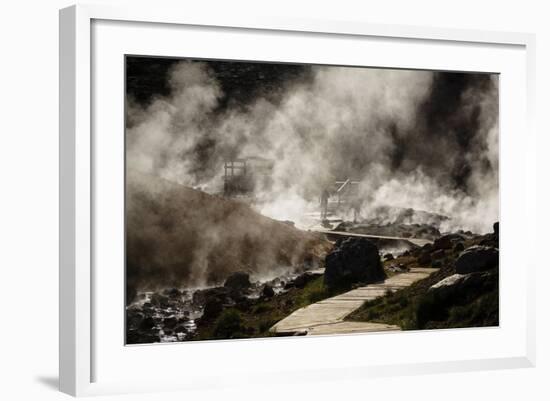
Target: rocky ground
174	315
398	222
463	292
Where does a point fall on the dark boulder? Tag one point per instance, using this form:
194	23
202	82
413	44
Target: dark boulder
444	242
388	256
356	260
160	300
439	254
133	318
212	300
301	280
462	286
490	240
200	297
267	291
212	308
427	247
238	281
459	247
147	324
170	322
174	293
477	258
424	258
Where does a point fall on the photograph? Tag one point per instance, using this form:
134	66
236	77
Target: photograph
274	199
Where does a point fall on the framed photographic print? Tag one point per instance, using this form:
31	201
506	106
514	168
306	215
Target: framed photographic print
241	190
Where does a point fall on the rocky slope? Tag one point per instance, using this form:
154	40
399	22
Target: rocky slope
463	292
180	237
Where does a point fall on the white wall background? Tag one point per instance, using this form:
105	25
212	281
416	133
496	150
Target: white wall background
29	186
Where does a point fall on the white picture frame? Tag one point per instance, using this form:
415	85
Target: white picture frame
80	344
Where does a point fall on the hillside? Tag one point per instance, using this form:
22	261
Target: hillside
464	292
178	236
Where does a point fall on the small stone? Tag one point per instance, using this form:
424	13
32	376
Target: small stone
170	322
147	324
267	291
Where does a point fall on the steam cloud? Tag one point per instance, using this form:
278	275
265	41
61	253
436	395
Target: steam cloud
419	139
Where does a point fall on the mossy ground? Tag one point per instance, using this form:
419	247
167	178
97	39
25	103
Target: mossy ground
416	308
255	320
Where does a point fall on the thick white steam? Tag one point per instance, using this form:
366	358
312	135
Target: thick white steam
343	123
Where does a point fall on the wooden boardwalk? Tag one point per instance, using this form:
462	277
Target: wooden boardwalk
327	316
415	241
